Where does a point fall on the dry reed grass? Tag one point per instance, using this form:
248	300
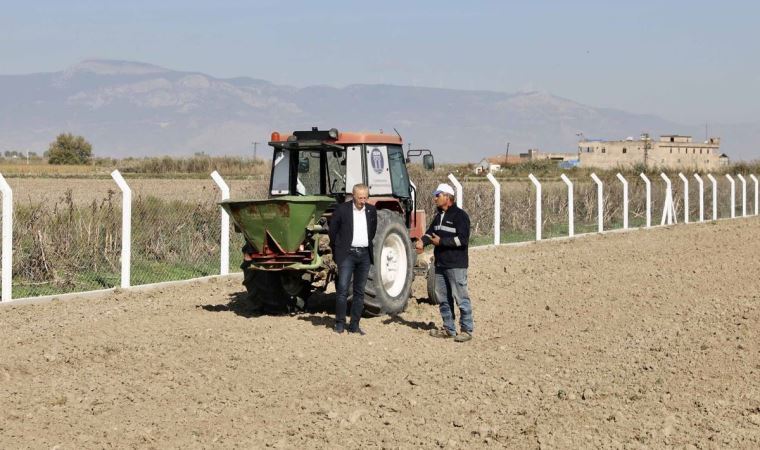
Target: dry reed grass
63	246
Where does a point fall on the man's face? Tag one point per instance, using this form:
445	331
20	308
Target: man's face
360	198
441	200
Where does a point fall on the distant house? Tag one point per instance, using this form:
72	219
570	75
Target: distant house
485	166
495	163
671	150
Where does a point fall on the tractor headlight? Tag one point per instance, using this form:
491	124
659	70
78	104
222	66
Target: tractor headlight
333	133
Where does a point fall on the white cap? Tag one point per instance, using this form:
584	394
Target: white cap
443	188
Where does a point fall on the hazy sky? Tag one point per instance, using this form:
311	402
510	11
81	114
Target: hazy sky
692	62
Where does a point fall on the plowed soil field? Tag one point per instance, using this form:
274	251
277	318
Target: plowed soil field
626	340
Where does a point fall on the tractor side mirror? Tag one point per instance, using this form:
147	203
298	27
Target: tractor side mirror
427	157
303	165
428	162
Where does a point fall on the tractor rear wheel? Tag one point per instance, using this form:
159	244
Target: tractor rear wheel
389	282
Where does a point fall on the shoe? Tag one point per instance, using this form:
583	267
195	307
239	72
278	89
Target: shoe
358	331
340	328
463	337
441	333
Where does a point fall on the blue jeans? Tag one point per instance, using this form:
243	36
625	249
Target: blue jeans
357	265
451	290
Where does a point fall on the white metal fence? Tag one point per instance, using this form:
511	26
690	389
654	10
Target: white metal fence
80	235
668	213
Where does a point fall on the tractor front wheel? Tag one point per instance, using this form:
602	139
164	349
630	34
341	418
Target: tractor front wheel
432	296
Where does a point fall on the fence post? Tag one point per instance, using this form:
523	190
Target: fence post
126	228
570	206
496	209
754	179
733	195
538	206
701	197
625	200
744	194
714	183
224	266
458	187
599	201
7	245
649	199
668	209
685	197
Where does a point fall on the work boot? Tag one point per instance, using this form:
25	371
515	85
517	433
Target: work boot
463	337
340	327
441	333
356	330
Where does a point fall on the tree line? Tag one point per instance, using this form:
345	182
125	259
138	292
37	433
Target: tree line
65	149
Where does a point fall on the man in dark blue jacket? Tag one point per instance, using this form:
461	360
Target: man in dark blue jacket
352	230
450	234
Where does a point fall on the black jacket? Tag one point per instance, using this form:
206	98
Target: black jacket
453	227
342	229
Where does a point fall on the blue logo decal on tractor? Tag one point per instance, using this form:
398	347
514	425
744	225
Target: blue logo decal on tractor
377	161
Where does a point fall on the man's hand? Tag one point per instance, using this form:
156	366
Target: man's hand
436	240
419	245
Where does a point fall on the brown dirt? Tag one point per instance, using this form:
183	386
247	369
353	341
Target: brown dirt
644	339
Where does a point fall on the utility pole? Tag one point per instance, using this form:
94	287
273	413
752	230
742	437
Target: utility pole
506	156
647	146
255	144
581	138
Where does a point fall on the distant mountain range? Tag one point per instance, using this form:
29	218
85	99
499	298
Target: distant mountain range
130	108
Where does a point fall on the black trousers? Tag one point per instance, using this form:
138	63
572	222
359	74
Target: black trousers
356	266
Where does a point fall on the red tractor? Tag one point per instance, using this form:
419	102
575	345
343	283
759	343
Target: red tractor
287	253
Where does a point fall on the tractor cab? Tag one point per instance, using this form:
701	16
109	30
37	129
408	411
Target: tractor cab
330	163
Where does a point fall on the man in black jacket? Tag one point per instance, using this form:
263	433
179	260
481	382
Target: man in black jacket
352	229
450	234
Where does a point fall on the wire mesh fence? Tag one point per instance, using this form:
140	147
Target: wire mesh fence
518	204
66	242
174	239
67	233
67	236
